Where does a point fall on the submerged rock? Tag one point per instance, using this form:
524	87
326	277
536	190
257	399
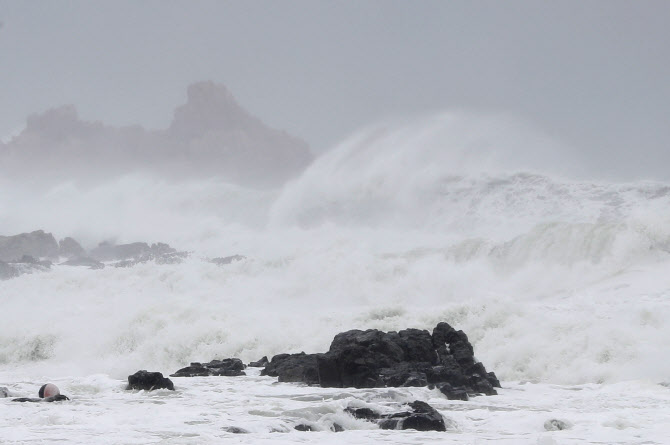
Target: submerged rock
422	417
556	425
56	398
149	381
235	430
230	367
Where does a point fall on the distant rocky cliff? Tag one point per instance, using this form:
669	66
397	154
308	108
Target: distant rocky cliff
211	135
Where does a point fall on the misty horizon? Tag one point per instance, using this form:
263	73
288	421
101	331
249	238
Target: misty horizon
590	75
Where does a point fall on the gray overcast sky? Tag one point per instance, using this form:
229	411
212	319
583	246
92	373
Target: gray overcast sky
592	74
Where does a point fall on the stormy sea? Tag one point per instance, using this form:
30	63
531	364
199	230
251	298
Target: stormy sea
560	284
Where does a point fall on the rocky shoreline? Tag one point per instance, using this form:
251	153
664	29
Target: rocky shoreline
442	360
38	251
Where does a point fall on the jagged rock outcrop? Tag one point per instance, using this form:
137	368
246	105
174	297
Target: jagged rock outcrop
230	367
372	358
37	244
211	135
148	381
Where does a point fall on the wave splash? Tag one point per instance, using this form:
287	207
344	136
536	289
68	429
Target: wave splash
554	279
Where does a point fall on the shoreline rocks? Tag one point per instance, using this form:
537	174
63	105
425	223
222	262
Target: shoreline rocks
148	381
230	367
372	358
422	417
34	252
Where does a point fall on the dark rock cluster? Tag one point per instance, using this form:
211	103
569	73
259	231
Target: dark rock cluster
421	417
231	367
148	381
411	357
35	252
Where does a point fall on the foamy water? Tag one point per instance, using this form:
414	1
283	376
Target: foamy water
561	285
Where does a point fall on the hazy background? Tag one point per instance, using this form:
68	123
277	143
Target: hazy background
591	75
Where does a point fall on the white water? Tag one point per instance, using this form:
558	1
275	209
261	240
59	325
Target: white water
561	283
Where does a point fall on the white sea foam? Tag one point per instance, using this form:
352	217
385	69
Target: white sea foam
556	281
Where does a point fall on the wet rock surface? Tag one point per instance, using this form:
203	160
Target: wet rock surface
56	398
259	363
294	368
230	367
411	357
148	381
420	416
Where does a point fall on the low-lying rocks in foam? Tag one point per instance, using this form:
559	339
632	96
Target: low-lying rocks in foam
230	367
26	264
128	255
148	381
372	358
421	417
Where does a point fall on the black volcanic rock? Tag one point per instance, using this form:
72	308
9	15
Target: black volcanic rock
363	413
372	358
293	368
149	381
262	363
37	244
56	398
230	367
422	417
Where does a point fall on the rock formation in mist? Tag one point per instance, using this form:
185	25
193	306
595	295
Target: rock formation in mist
211	135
